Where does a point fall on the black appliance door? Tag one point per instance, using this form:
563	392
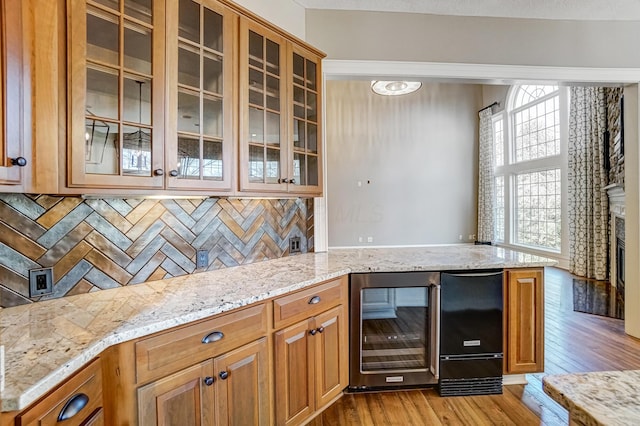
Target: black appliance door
471	313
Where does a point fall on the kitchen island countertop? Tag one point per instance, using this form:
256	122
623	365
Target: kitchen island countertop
600	398
45	342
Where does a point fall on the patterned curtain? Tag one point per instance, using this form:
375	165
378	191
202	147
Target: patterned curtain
588	203
486	178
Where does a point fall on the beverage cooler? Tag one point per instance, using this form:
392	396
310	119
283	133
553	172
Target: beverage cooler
394	330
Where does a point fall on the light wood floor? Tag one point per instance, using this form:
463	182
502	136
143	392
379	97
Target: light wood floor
575	342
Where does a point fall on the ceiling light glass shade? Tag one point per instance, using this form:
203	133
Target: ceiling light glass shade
392	88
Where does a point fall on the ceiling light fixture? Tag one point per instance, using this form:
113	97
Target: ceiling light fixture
393	88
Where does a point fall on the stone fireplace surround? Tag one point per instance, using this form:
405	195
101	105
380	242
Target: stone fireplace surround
617	211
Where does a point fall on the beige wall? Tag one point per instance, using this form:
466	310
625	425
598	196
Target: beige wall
432	38
415	157
286	14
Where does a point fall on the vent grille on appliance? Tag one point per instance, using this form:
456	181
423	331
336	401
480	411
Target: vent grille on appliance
464	387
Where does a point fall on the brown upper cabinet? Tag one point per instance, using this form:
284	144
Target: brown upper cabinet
116	93
200	93
169	97
279	120
12	157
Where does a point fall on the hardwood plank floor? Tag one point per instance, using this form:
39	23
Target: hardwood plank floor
574	342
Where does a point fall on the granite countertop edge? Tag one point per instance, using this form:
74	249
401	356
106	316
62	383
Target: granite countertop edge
281	275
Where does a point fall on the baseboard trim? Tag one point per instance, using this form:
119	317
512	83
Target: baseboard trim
514	379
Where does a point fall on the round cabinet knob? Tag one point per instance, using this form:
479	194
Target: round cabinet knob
313	332
173	173
223	375
158	172
282	181
209	380
19	161
292	181
320	329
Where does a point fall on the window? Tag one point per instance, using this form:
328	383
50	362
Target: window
530	168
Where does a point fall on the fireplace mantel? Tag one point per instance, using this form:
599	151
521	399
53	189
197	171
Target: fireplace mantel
615	192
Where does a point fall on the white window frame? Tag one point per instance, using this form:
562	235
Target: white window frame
510	169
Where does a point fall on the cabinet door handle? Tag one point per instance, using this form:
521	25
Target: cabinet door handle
173	173
213	337
292	181
282	181
209	380
314	300
158	172
223	375
313	332
320	329
20	161
73	406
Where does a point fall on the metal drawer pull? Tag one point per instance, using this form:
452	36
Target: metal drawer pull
213	337
314	300
209	380
73	406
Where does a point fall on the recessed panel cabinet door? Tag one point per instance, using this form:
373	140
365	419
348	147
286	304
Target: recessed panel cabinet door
116	86
182	399
525	321
200	90
331	354
12	106
242	388
294	360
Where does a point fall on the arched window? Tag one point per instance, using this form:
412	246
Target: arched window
530	165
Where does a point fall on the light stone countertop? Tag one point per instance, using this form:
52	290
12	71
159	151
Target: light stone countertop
45	342
602	398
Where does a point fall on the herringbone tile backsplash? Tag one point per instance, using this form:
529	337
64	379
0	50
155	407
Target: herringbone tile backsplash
106	243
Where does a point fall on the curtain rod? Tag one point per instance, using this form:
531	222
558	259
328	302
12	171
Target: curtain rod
496	103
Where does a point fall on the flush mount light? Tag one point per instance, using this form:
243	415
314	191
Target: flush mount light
393	88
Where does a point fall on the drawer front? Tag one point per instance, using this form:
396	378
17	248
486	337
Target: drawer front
73	403
306	303
169	352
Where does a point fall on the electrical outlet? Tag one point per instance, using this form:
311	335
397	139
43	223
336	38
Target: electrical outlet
294	245
369	239
202	259
360	239
40	281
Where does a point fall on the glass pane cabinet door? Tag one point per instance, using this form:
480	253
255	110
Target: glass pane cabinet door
307	163
116	86
200	74
264	147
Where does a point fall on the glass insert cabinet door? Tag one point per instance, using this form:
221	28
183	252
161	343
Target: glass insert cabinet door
116	58
200	74
305	123
263	139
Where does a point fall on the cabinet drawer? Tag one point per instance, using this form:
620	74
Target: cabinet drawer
306	303
73	403
169	352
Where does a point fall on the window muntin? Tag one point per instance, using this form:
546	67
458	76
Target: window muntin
499	209
530	168
538	209
529	93
537	130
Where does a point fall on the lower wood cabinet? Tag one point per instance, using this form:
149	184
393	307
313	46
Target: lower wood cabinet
524	321
78	401
231	389
311	365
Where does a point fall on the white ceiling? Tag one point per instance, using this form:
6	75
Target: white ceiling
618	10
